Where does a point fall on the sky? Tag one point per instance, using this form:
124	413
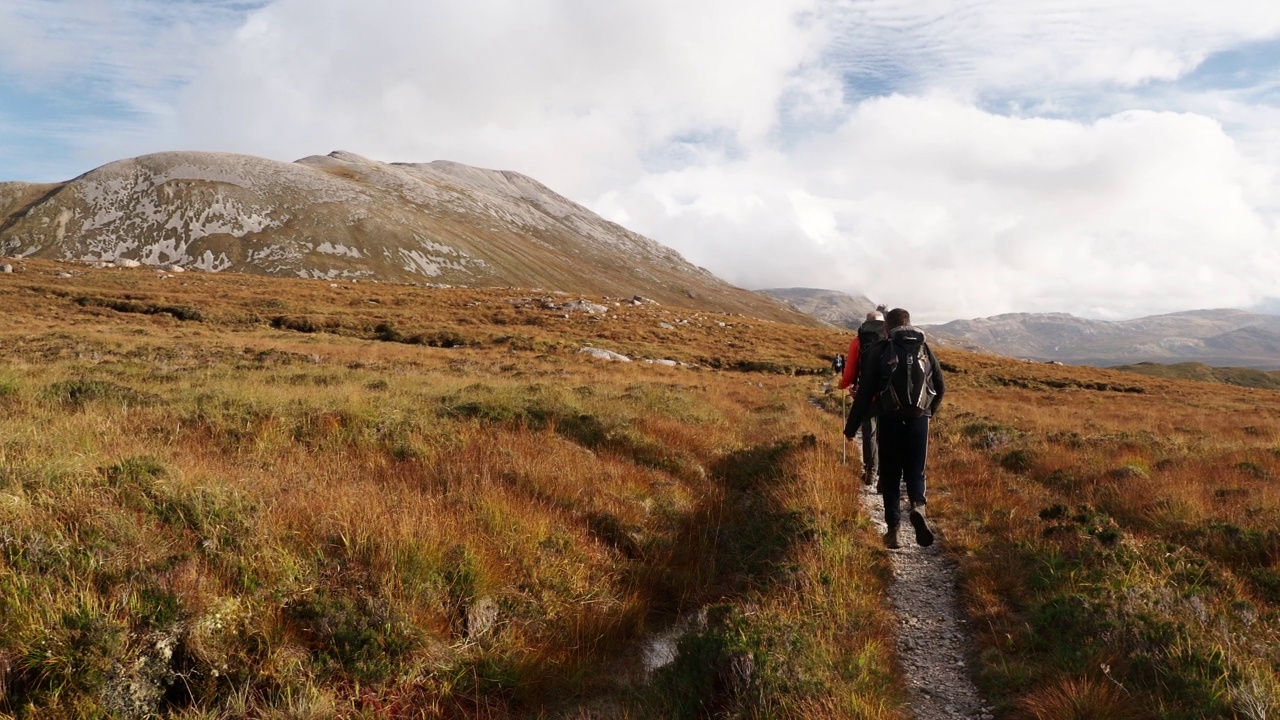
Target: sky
959	158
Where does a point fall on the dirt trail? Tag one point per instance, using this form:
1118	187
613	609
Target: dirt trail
933	637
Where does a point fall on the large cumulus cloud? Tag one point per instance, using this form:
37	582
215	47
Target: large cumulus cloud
934	204
576	92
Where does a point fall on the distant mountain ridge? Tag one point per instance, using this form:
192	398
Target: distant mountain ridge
1223	337
342	216
831	306
1220	338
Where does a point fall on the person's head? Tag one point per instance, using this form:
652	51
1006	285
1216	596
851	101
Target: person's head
896	318
875	315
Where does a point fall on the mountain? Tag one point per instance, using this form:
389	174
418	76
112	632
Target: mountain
1221	337
834	307
342	216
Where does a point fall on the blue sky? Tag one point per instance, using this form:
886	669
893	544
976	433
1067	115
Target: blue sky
1109	159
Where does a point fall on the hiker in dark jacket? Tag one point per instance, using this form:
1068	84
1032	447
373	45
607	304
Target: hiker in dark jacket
902	388
869	333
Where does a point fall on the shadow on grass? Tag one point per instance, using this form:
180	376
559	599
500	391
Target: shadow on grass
754	536
709	561
741	544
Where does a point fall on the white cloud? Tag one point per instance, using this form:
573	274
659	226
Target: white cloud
570	89
955	212
101	75
37	38
114	48
1045	46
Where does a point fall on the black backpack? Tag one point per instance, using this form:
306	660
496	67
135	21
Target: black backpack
870	333
906	375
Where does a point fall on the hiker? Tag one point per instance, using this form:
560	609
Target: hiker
837	365
902	387
869	333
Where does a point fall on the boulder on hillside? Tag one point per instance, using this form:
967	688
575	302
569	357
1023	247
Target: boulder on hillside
604	354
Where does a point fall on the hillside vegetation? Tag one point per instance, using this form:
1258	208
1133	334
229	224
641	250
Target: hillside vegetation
227	496
1243	377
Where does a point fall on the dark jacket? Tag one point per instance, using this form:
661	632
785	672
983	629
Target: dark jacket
864	339
867	401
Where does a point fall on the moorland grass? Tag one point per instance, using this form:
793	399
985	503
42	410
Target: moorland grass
246	522
1119	552
231	516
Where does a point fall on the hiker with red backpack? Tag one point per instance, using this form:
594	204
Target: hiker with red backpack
869	333
901	387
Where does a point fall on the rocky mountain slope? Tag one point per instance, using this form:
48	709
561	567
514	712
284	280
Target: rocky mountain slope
345	217
831	306
1215	337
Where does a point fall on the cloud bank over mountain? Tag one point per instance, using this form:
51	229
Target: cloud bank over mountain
1110	160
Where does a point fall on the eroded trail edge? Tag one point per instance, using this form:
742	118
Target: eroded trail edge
933	636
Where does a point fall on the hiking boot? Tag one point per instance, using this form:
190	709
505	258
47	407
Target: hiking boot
891	538
924	536
868	477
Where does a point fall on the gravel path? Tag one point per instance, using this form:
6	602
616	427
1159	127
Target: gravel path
933	637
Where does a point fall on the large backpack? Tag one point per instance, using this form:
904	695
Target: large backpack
906	375
869	333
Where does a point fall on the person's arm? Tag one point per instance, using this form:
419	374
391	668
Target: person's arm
939	385
850	364
862	400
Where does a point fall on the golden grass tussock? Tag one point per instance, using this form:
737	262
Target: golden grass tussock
224	496
1079	698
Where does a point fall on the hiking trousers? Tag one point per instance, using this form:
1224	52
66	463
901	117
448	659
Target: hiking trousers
904	444
870	447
